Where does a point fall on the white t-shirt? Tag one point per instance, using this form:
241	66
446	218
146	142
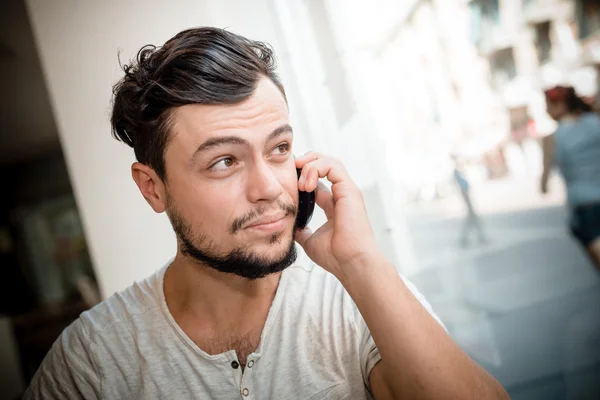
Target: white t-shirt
314	345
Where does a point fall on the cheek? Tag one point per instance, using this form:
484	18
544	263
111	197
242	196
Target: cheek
216	208
555	110
290	185
211	207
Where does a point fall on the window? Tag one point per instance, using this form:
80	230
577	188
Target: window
543	45
588	17
491	10
485	14
475	28
503	67
527	3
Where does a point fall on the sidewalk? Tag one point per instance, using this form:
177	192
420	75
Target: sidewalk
526	305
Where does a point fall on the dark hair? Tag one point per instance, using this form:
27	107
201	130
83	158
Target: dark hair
567	94
197	66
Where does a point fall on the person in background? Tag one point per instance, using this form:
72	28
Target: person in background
472	220
575	149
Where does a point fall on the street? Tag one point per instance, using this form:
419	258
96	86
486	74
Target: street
525	305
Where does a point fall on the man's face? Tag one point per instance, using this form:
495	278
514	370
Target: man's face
231	184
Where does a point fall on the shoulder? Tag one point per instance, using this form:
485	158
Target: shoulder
74	364
69	370
312	291
136	300
591	116
591	119
586	121
321	289
310	281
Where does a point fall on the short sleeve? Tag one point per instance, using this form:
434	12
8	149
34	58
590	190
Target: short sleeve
68	370
369	354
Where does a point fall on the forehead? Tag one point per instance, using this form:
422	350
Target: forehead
253	119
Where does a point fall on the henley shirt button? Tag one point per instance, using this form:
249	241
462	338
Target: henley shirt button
250	363
245	392
235	365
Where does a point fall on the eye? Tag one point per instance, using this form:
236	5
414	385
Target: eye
283	148
223	164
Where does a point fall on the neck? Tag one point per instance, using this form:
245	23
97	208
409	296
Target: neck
195	291
572	116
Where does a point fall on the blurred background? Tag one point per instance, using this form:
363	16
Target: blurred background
405	92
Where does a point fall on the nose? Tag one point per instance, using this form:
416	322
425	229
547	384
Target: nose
263	184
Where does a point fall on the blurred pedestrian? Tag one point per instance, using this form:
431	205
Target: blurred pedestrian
472	220
575	149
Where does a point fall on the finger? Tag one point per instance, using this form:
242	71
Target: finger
302	236
302	181
324	199
300	162
310	156
325	167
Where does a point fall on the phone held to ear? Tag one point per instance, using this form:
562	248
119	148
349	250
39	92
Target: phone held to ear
306	206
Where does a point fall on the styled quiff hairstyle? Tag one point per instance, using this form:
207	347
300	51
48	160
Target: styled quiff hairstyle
197	66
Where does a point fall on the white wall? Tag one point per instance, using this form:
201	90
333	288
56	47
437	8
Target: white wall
78	44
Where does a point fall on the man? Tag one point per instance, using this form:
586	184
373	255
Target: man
231	317
472	220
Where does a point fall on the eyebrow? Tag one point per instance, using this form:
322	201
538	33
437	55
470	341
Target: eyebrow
220	141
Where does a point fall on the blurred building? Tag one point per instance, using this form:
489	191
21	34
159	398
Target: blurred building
587	17
461	77
424	85
534	44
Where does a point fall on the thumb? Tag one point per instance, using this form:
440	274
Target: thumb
302	236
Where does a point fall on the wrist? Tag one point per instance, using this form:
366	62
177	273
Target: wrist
363	268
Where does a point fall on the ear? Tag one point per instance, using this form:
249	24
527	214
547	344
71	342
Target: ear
150	185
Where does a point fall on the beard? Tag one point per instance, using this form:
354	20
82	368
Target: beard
240	261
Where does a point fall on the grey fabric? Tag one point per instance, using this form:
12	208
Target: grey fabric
315	345
577	154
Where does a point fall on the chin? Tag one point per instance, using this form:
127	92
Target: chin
274	246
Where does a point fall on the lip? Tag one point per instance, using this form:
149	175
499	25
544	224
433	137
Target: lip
269	223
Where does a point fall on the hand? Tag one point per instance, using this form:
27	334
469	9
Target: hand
346	239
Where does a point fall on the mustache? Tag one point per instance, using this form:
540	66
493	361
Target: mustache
239	223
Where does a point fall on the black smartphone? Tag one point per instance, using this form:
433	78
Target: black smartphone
306	206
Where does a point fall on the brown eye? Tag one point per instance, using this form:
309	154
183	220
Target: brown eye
223	164
282	148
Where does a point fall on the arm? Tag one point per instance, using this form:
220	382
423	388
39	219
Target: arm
548	155
68	370
418	359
